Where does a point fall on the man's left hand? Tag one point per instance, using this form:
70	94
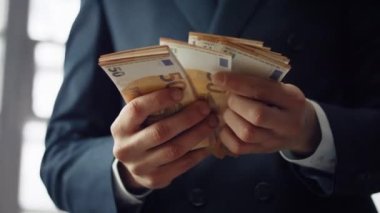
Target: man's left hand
265	116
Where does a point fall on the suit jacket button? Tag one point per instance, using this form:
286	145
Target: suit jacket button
263	192
197	197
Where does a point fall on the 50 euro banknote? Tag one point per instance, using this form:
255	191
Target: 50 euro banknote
141	71
249	57
199	65
189	66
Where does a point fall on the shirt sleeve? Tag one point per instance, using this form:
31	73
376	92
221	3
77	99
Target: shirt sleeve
324	157
122	194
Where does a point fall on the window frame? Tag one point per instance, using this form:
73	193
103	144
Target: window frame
14	112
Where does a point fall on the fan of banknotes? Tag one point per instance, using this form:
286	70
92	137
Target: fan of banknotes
189	66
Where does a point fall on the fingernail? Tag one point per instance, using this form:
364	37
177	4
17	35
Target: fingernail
204	108
176	94
213	121
217	78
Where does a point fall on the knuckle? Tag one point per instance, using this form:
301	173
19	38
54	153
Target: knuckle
160	98
231	101
257	115
116	129
119	153
173	151
236	149
297	95
122	151
164	98
134	107
246	133
160	132
116	152
230	81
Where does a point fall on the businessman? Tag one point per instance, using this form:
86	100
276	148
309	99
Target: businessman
309	144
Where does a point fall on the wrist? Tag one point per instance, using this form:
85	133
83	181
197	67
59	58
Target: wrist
128	181
312	136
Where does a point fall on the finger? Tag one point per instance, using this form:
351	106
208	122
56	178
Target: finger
182	144
174	169
164	130
236	146
245	131
266	90
257	113
137	110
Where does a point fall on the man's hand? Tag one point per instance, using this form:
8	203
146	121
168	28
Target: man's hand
153	156
266	116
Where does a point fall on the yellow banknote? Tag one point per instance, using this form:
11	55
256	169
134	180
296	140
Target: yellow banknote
251	59
215	38
200	64
136	73
189	66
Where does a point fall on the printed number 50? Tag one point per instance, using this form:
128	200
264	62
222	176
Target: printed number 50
116	71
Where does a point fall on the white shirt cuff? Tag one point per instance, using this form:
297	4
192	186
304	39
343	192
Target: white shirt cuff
121	193
324	157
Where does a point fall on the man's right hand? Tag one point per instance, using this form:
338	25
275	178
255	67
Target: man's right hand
151	157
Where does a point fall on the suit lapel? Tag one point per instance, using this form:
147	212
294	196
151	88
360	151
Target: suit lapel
232	16
199	13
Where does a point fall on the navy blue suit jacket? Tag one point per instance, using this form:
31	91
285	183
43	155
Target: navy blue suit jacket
334	47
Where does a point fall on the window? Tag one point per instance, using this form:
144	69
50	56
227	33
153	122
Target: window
3	20
49	23
376	200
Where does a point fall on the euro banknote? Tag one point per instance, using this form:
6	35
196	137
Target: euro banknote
200	64
247	58
141	71
189	66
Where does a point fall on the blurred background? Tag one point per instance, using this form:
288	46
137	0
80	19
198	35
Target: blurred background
32	38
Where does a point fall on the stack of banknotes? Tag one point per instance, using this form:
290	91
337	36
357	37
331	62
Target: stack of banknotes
189	66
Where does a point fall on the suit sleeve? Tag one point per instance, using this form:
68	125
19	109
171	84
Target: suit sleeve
354	116
77	165
355	124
